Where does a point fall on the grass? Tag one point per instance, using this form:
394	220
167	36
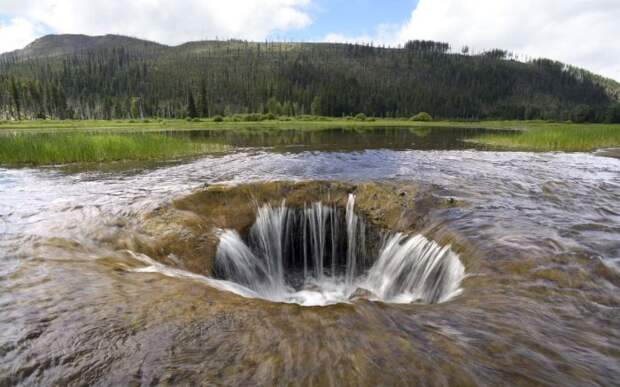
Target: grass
64	148
570	138
296	123
42	142
283	123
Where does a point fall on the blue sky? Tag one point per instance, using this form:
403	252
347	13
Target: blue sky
350	18
578	32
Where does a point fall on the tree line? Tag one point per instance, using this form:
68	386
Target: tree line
124	80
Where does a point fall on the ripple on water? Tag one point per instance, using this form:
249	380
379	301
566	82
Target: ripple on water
542	294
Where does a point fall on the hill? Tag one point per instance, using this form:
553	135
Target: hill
59	45
111	76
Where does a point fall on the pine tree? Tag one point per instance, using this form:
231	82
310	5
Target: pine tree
191	105
273	106
16	98
203	105
613	114
315	107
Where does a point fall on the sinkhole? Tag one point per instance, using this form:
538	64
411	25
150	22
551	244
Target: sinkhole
321	254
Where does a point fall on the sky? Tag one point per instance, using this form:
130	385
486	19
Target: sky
584	33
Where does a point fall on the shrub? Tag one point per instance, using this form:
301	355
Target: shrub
196	120
252	117
310	117
218	118
613	114
422	116
360	117
582	113
268	116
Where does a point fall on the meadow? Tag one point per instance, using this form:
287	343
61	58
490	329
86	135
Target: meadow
41	142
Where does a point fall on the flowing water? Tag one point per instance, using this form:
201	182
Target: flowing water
330	260
528	294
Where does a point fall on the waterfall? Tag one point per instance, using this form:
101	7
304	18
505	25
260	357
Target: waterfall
415	269
317	255
352	221
242	265
267	235
317	216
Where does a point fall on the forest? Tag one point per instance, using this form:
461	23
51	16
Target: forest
117	77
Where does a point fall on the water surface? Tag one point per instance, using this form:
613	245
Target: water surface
540	305
345	139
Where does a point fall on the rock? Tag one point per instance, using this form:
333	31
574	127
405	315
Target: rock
362	294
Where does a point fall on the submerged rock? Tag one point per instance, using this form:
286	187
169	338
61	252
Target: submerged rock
362	294
608	152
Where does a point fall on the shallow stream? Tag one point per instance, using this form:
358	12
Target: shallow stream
538	235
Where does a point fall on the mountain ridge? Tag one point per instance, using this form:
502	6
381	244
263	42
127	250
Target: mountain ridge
96	75
99	41
67	44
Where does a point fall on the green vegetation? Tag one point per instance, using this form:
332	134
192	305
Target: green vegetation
280	123
63	148
56	142
422	116
613	114
557	138
115	77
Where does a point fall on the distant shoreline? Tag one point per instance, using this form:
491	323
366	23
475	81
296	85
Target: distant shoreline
45	142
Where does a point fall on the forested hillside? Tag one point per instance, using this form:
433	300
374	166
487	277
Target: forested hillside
76	76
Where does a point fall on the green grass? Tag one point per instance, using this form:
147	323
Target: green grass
56	149
64	148
296	123
283	123
570	138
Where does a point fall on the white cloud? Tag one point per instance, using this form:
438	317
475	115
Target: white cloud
579	32
16	33
161	20
382	34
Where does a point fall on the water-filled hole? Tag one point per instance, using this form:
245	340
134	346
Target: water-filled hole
320	254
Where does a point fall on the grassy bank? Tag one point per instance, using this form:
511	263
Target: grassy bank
59	142
63	148
570	138
316	123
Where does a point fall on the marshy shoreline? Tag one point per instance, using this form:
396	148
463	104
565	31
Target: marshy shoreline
51	142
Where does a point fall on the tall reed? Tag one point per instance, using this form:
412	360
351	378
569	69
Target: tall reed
63	148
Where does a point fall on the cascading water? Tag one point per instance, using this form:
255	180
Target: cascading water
302	256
